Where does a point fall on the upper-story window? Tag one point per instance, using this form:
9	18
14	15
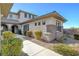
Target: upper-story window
25	15
35	24
29	15
59	27
33	17
39	23
43	22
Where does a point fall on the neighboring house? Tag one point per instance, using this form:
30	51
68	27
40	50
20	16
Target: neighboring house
68	33
72	31
25	21
76	31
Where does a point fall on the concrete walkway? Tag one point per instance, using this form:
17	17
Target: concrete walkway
32	49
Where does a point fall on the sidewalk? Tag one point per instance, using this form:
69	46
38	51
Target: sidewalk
32	49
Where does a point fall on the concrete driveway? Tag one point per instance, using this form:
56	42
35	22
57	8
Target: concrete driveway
33	49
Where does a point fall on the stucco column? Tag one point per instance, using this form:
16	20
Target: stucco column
22	26
9	27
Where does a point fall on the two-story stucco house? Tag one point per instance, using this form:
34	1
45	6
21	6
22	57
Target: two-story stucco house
13	21
24	21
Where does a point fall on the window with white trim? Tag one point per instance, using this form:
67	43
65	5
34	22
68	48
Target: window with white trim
35	24
43	23
59	27
39	23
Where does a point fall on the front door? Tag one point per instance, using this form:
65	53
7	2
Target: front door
15	29
25	28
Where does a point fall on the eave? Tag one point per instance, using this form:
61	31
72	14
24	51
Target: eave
52	14
5	8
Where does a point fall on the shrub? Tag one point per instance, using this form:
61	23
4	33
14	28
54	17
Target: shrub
16	47
76	36
29	33
38	34
65	50
12	47
24	32
7	35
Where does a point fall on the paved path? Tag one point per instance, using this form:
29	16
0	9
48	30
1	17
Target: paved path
32	49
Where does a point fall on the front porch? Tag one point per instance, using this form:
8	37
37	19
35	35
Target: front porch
11	27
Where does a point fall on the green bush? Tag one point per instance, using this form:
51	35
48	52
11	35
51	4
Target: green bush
29	33
12	47
76	36
65	50
37	34
7	35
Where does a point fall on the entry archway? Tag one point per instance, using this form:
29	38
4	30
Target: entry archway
14	29
4	27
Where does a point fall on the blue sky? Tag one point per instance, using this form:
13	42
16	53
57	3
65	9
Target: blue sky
69	11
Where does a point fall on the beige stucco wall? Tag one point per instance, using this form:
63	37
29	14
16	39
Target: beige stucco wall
42	27
52	29
59	35
49	21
